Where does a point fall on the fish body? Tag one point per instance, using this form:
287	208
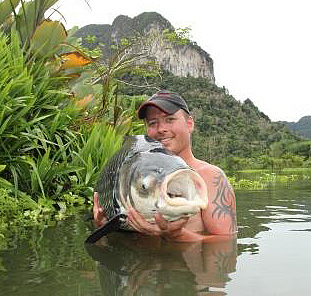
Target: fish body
146	176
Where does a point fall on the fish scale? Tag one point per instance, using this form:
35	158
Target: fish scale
150	178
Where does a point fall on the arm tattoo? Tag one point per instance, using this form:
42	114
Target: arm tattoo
224	200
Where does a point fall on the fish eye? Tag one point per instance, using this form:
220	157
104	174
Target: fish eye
144	185
159	170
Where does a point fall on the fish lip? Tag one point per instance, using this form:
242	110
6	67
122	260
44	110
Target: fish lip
181	201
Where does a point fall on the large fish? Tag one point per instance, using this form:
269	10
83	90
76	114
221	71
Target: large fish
146	176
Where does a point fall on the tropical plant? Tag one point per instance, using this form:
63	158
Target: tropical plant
93	148
52	147
34	116
41	36
125	58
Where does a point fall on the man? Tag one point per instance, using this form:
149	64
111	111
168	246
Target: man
168	120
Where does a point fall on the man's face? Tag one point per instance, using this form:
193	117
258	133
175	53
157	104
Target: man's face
173	131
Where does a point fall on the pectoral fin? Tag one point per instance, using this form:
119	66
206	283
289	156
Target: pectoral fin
112	225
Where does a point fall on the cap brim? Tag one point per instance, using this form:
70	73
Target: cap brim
163	105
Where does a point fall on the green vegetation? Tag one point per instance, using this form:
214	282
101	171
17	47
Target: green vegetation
302	127
265	180
63	114
57	128
229	133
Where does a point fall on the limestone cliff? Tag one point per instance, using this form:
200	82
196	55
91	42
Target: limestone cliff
180	60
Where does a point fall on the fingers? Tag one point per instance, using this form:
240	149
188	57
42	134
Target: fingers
161	222
139	224
170	230
98	213
165	225
96	199
162	227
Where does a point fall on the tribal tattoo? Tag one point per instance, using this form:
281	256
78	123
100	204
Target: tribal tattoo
224	200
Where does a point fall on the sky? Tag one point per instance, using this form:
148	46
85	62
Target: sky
261	48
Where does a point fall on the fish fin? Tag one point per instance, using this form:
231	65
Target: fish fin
112	225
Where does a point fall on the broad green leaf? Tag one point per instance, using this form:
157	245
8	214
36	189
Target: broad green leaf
30	15
90	169
62	148
48	4
6	8
48	36
35	176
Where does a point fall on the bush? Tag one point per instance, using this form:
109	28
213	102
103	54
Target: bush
34	120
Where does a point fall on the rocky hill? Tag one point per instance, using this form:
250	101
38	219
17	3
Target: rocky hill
225	127
180	60
302	127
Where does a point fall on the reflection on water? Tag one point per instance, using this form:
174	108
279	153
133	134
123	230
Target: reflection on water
270	257
131	264
49	261
274	241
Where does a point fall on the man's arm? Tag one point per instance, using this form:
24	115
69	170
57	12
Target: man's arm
173	231
220	216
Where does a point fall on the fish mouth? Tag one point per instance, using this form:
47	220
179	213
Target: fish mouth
184	188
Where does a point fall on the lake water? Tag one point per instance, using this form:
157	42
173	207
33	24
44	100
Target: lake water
272	255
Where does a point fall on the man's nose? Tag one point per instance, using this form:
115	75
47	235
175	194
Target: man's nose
162	127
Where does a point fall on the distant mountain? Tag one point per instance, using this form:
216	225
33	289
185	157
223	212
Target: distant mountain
224	126
179	59
302	127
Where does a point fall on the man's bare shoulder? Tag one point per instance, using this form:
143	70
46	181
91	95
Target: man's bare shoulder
205	169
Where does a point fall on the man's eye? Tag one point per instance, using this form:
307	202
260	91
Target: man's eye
152	123
170	119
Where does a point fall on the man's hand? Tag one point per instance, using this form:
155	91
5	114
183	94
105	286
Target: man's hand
174	231
163	228
98	213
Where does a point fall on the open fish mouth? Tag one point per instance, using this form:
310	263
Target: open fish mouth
182	188
145	176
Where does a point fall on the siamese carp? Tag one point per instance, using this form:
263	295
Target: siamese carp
149	178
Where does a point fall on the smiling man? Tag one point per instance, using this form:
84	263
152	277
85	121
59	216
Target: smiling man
168	120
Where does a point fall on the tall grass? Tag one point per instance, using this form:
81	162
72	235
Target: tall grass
43	155
94	148
34	115
50	152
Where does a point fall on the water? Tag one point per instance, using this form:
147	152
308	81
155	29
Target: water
270	257
274	242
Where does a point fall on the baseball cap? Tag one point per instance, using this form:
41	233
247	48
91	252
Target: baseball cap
166	101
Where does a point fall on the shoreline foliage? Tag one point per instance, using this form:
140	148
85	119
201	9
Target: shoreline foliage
63	115
51	149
